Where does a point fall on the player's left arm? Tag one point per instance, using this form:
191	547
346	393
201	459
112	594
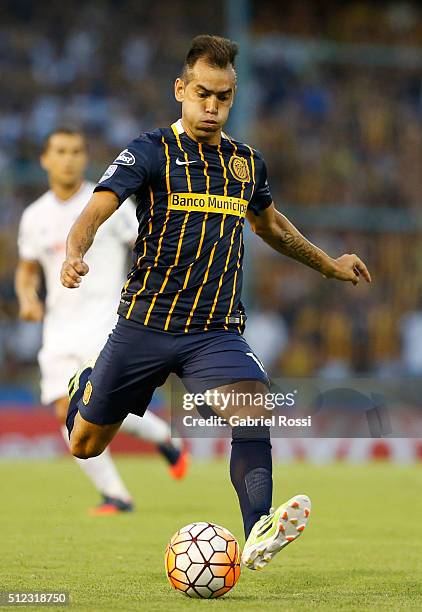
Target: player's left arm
279	233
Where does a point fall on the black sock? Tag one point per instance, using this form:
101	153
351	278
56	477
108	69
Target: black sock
169	451
251	472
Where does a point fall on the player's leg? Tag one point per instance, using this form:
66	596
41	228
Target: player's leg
90	440
96	442
226	357
101	471
86	439
131	365
149	427
213	357
251	458
154	429
56	370
267	530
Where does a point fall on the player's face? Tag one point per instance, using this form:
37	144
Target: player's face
65	159
206	100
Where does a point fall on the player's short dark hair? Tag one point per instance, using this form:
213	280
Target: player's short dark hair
216	50
69	131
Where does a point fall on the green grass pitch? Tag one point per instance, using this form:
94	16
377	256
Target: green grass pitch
361	551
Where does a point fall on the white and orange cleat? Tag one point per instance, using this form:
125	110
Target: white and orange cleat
276	530
111	505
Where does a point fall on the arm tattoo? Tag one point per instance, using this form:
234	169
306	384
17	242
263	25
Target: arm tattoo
87	237
80	238
297	247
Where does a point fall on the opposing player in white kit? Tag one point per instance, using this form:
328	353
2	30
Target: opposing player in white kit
76	324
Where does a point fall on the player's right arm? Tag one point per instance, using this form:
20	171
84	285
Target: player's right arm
27	283
130	170
82	233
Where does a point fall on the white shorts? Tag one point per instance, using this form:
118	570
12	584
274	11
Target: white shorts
62	355
56	371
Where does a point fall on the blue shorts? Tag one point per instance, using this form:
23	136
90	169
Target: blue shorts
136	360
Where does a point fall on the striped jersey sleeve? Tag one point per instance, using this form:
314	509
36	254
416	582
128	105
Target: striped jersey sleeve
132	169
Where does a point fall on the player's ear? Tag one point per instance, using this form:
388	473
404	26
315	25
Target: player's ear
179	89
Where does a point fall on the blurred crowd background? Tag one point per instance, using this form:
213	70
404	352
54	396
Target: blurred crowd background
334	94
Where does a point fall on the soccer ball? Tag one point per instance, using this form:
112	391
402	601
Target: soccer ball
202	560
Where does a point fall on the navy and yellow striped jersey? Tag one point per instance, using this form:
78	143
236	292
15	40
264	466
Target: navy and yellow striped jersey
192	200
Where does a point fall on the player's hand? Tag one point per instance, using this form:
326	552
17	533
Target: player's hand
73	268
349	268
31	310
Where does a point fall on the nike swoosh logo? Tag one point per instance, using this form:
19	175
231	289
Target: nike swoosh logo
184	163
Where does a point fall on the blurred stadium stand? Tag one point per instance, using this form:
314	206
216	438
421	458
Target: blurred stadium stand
336	105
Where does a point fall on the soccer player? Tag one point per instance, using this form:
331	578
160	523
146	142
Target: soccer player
180	309
76	325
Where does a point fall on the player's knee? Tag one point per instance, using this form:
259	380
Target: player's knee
85	447
78	448
81	451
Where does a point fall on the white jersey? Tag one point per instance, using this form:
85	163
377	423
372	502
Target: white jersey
77	321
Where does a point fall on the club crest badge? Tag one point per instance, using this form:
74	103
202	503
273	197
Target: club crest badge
87	393
239	168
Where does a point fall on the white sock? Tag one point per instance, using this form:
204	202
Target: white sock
149	427
103	473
